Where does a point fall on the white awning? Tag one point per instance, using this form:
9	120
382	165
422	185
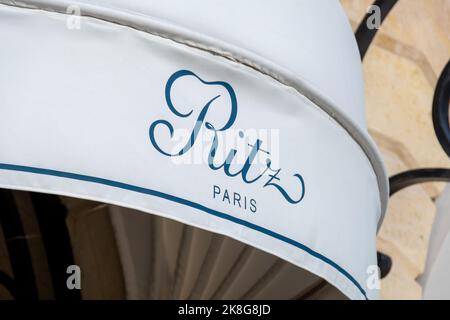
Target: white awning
245	119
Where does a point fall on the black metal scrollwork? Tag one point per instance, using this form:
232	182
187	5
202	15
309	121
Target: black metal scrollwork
364	37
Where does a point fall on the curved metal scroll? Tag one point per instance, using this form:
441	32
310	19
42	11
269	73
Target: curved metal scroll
365	37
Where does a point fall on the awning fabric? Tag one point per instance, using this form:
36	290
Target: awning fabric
242	118
165	259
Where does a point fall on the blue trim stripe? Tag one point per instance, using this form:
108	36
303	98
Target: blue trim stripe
125	186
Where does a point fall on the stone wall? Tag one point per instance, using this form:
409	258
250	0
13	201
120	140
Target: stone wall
401	71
